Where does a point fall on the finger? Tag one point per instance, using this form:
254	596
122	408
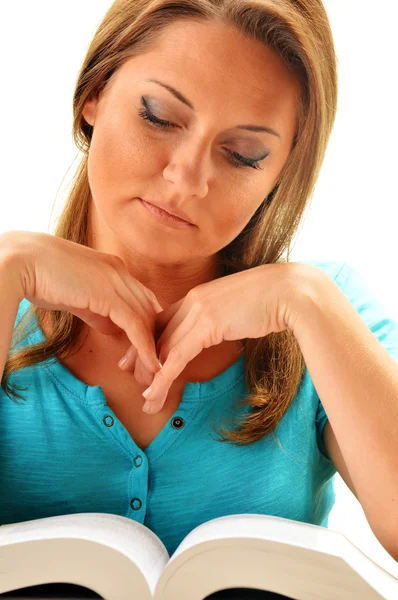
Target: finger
179	356
128	361
141	373
136	330
156	304
173	332
131	290
163	318
134	365
139	297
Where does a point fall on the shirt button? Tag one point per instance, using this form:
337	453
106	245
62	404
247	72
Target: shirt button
108	420
177	422
138	461
135	503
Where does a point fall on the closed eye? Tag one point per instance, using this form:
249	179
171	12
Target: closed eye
236	159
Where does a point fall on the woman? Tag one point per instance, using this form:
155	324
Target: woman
219	112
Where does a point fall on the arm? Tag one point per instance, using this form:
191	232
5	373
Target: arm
11	294
357	382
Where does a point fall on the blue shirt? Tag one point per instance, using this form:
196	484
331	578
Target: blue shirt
63	450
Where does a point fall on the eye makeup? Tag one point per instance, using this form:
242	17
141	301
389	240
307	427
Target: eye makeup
236	159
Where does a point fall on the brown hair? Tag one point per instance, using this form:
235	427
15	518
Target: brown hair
299	31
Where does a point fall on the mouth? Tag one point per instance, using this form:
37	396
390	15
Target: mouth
165	217
175	215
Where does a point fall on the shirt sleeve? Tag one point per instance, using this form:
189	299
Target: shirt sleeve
373	312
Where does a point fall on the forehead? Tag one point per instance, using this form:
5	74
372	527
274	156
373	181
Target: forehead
217	67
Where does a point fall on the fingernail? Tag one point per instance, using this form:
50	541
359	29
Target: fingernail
147	406
122	362
160	364
147	392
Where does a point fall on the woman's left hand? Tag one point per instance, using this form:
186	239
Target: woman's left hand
248	304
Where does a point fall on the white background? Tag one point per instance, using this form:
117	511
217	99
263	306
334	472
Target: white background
353	212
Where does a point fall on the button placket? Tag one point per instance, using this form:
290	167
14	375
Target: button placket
138	477
136	503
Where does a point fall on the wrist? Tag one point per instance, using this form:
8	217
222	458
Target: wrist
11	264
310	290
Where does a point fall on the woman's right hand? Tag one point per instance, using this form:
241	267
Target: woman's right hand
58	274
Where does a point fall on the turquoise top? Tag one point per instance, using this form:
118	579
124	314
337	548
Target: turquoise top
63	450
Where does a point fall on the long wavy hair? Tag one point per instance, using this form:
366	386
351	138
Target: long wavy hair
299	31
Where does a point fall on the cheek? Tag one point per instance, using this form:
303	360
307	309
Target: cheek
231	218
118	160
241	210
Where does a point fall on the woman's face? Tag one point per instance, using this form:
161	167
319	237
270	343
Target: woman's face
230	82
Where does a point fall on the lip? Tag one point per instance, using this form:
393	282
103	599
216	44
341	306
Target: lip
164	217
176	213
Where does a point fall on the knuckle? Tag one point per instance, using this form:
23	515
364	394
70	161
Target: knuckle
110	259
111	272
115	262
109	293
121	267
195	294
135	318
174	354
162	376
135	324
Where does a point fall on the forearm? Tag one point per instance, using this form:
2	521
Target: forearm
10	297
357	382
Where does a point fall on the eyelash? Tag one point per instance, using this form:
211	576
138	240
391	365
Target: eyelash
240	161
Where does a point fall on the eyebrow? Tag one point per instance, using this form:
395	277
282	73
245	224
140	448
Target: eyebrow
181	98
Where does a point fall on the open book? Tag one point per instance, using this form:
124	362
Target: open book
120	559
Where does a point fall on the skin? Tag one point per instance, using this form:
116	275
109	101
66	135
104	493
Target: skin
188	167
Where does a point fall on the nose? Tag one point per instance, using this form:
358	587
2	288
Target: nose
189	170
